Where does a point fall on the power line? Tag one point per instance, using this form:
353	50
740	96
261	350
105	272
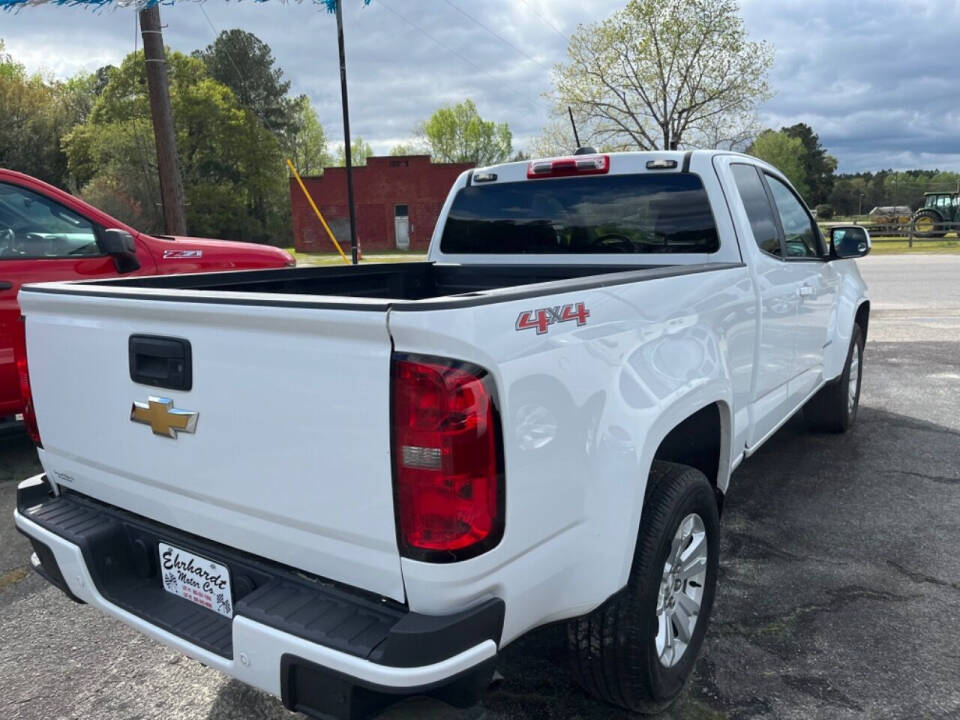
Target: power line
545	21
465	59
494	33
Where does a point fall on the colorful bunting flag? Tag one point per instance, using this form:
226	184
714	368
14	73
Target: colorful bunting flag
331	5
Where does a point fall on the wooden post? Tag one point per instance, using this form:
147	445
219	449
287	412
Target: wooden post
346	134
171	186
910	238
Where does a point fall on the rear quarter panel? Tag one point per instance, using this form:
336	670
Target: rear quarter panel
583	410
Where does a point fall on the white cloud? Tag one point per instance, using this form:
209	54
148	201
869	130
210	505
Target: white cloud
877	80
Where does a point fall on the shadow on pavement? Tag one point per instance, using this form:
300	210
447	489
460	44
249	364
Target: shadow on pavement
838	594
837	576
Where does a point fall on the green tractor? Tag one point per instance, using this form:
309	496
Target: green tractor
938	208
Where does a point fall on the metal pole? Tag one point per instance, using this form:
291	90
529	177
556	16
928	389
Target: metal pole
346	134
171	185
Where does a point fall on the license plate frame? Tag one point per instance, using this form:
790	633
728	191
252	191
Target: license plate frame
196	578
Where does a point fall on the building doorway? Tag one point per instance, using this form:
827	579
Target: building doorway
401	226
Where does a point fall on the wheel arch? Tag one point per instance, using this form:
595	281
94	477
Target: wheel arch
697	441
862	317
699	437
698	434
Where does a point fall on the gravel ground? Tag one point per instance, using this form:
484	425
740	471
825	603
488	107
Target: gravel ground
839	593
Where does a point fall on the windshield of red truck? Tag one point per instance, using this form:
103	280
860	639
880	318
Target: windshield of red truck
601	214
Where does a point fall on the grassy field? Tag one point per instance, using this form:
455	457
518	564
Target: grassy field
881	246
335	259
892	246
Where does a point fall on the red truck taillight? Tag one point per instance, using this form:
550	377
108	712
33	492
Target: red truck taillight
23	375
447	451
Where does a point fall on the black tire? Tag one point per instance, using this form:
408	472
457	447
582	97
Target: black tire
936	230
613	652
830	409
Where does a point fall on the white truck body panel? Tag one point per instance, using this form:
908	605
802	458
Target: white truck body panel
292	459
604	397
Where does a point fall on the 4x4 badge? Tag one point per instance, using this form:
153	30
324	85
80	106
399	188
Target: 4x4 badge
545	317
163	419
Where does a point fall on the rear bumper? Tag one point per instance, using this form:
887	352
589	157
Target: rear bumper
354	656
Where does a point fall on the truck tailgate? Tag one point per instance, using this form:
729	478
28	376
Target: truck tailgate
290	457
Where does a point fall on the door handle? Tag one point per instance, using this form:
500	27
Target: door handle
161	362
6	285
805	290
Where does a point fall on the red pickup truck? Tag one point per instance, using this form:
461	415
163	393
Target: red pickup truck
47	234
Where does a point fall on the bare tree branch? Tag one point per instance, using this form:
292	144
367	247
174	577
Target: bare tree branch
684	67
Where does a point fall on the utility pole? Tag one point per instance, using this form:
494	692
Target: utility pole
346	133
171	186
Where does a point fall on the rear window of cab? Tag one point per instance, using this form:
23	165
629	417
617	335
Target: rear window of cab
647	213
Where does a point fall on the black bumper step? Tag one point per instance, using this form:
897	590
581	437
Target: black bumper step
120	550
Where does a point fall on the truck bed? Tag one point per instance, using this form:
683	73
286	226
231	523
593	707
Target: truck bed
415	282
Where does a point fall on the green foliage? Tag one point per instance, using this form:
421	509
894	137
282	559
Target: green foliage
33	119
784	153
359	152
818	166
401	149
245	64
661	73
305	142
555	139
824	211
864	191
234	125
230	163
458	134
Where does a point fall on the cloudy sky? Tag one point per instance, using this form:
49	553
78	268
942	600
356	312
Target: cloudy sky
879	81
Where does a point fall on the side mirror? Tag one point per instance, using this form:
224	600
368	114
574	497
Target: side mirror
849	241
119	245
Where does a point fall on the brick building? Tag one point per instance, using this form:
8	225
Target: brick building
398	200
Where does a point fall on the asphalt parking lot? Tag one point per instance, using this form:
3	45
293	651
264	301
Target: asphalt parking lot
839	593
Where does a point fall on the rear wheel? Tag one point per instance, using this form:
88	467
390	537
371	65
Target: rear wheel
834	408
927	224
638	649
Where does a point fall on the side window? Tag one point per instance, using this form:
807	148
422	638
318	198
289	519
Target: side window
33	226
758	208
799	231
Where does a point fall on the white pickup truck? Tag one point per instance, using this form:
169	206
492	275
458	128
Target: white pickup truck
348	485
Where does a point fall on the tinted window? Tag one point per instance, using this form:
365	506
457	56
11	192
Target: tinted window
608	214
799	231
33	226
757	205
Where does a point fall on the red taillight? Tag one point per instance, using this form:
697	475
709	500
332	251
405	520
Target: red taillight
564	167
23	375
446	456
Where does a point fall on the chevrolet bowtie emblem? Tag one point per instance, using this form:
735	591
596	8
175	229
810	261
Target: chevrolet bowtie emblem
159	414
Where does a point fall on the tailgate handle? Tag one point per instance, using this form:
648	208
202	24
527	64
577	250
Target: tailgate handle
161	361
